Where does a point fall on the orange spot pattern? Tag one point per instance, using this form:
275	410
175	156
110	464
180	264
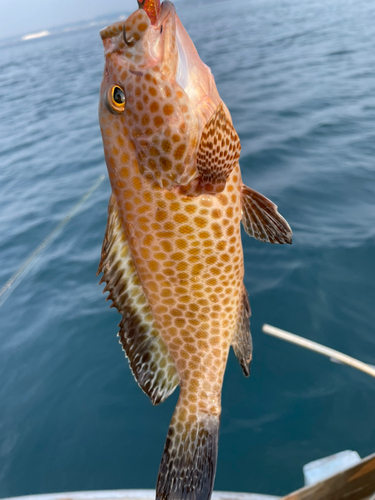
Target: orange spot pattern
219	149
192	273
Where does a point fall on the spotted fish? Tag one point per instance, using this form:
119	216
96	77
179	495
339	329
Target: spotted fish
172	255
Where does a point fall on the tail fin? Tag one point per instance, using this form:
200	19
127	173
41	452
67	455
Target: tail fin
188	466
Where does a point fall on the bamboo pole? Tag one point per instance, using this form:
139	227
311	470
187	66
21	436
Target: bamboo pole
321	349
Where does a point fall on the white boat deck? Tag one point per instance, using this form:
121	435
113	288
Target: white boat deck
134	495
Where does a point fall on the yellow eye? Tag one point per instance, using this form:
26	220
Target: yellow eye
116	99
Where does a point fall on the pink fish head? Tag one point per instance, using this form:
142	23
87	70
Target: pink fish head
158	94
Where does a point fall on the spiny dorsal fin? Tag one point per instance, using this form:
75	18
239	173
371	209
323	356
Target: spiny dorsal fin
261	220
148	355
218	152
242	342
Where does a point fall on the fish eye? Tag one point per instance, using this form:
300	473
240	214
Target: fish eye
116	99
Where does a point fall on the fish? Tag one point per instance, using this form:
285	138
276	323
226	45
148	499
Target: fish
172	256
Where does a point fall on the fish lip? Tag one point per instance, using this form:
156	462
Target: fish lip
167	9
164	27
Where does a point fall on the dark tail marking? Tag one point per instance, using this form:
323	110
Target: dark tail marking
188	466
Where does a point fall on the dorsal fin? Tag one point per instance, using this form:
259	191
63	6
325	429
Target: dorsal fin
261	220
148	355
218	152
242	342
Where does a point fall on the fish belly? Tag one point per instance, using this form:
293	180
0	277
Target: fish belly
188	255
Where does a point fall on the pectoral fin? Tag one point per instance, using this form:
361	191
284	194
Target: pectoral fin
148	355
261	220
218	152
242	342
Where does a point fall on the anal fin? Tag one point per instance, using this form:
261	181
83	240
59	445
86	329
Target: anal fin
218	152
148	355
261	220
242	342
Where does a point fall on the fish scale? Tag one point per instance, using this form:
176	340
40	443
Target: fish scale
188	252
172	255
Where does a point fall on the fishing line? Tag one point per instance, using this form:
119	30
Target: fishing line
20	274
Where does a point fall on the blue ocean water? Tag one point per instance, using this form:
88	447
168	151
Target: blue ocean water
299	80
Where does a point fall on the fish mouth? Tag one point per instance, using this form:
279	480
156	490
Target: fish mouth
152	8
167	9
182	74
162	33
188	60
167	25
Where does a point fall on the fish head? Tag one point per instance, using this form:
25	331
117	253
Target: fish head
156	97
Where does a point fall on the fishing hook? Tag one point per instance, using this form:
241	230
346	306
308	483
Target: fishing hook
127	42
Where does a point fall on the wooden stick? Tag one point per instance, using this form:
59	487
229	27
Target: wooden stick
356	483
321	349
